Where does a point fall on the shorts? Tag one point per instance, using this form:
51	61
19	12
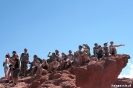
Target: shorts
16	73
113	53
6	67
12	69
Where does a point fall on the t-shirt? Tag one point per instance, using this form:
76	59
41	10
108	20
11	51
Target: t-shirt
70	57
51	58
95	50
80	52
37	62
105	49
17	63
24	57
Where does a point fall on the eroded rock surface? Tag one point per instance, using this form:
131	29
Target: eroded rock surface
95	74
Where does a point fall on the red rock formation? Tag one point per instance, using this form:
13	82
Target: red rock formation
100	74
95	74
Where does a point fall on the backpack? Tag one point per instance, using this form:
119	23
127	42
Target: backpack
3	63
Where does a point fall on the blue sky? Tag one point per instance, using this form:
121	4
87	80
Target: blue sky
42	26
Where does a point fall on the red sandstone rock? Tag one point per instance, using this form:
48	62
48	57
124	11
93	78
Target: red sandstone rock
95	74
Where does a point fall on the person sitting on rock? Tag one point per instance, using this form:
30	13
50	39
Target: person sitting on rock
84	57
95	49
100	53
76	59
80	51
54	66
6	66
105	50
63	61
51	57
36	65
87	49
71	57
44	67
57	55
112	48
66	61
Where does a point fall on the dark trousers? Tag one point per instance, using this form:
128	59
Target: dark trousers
23	68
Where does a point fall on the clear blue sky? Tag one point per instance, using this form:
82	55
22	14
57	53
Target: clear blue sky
45	25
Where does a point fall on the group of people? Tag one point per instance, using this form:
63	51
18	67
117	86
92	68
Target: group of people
15	66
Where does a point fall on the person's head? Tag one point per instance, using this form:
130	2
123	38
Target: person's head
86	46
57	51
13	52
25	50
15	56
111	42
7	56
63	54
80	47
44	60
100	47
105	44
35	56
70	51
96	45
53	54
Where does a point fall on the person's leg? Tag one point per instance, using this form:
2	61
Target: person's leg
32	70
22	68
65	65
50	67
85	58
41	71
6	70
62	65
25	68
9	72
31	65
12	72
16	75
38	70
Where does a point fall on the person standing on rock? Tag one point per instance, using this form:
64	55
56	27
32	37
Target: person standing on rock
6	66
16	71
95	49
24	61
112	48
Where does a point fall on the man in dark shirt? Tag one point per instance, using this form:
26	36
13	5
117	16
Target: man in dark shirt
24	61
16	70
95	50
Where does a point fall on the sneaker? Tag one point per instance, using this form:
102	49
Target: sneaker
13	84
16	85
